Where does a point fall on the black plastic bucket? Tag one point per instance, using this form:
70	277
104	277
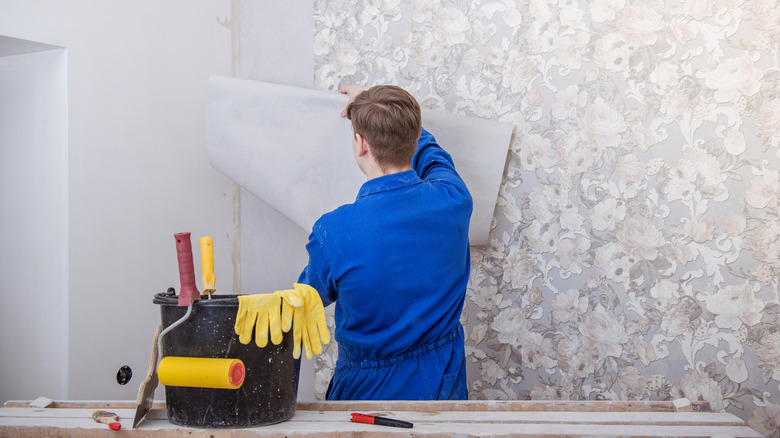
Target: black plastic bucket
269	392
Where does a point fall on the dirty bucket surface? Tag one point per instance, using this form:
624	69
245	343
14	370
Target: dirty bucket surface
269	392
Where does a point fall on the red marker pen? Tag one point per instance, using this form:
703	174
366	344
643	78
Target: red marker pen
382	421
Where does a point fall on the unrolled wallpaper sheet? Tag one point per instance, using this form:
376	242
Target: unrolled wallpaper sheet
289	147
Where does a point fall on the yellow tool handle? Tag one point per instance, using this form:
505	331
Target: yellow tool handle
201	372
207	262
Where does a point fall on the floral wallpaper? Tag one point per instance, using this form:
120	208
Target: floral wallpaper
635	248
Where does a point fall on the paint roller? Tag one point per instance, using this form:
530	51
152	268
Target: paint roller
201	372
198	372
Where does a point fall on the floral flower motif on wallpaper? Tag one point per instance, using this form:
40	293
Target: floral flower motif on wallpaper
635	248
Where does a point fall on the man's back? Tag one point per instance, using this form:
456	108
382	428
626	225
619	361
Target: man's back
396	262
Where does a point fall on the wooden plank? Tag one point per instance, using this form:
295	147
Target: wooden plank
86	404
81	418
73	413
702	418
496	420
425	406
500	405
158	428
637	418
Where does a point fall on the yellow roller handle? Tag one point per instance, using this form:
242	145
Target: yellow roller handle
201	372
207	263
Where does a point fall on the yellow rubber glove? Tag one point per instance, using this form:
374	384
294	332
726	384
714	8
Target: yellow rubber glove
293	317
261	313
246	317
309	322
291	300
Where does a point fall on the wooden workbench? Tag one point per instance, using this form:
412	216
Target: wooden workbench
431	419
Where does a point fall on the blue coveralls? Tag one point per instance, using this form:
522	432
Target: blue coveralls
396	263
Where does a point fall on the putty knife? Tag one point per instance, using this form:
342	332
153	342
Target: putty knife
146	391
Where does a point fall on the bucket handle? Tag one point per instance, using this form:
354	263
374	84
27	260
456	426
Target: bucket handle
171	327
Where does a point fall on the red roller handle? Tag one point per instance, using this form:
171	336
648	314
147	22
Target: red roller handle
188	292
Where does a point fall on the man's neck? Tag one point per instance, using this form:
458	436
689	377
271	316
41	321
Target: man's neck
376	171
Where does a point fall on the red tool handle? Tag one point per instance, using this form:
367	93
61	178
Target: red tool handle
188	292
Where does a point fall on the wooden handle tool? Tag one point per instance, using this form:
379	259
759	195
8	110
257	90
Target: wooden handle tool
149	384
109	418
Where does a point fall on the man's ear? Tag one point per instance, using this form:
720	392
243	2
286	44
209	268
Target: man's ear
362	145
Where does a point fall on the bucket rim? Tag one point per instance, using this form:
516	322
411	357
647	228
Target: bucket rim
164	299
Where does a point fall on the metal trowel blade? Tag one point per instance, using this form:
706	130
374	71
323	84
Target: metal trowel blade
145	397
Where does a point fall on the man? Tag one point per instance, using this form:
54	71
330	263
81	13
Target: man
396	261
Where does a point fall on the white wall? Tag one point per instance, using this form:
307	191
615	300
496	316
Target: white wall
137	82
33	218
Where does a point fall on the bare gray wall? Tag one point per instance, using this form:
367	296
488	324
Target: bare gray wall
138	173
276	46
33	219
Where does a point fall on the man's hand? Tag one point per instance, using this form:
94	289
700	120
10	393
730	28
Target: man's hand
351	90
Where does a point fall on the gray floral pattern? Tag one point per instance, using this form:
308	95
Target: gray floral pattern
635	248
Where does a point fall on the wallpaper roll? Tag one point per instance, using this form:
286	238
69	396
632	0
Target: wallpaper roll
289	147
